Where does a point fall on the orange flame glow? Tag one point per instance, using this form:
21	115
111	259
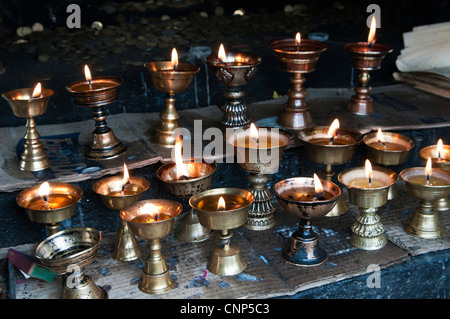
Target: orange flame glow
221	204
317	185
37	91
126	175
428	167
333	128
180	166
373	26
44	189
368	167
439	147
222	55
298	39
174	60
380	136
87	73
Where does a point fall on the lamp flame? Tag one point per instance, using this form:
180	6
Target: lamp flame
298	39
87	73
254	135
439	148
221	204
44	190
369	173
380	136
37	91
333	128
174	60
126	176
151	210
318	186
428	168
373	26
181	168
222	55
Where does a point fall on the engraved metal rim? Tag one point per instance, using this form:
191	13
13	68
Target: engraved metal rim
213	60
406	139
193	69
112	79
384	49
87	251
324	182
192	180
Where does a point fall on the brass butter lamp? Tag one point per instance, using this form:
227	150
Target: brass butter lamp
185	179
96	93
68	253
223	209
29	103
234	70
366	57
307	199
50	203
258	152
331	145
368	188
387	148
170	77
297	57
440	158
118	192
428	185
152	220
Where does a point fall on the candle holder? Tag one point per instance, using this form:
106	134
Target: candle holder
62	199
226	259
234	75
110	191
171	82
190	229
34	157
443	162
319	150
368	231
425	221
153	225
365	59
68	253
392	151
297	60
96	94
259	166
295	196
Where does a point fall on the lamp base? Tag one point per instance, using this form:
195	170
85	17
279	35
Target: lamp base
260	215
304	249
226	262
85	289
156	284
190	230
126	247
368	232
104	146
425	222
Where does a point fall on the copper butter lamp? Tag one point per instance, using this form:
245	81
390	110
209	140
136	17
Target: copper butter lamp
234	70
330	146
440	158
50	203
118	192
307	199
387	148
223	209
170	77
365	56
297	57
368	189
258	152
152	220
95	93
68	253
428	185
185	179
29	103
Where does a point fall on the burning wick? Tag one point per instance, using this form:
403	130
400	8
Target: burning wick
222	55
298	40
371	38
380	138
254	136
37	92
182	173
174	60
318	189
439	149
126	177
44	190
332	130
88	75
221	206
428	170
369	172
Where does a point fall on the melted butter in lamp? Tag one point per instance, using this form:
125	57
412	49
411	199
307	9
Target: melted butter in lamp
124	188
151	215
211	202
48	201
260	138
364	183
